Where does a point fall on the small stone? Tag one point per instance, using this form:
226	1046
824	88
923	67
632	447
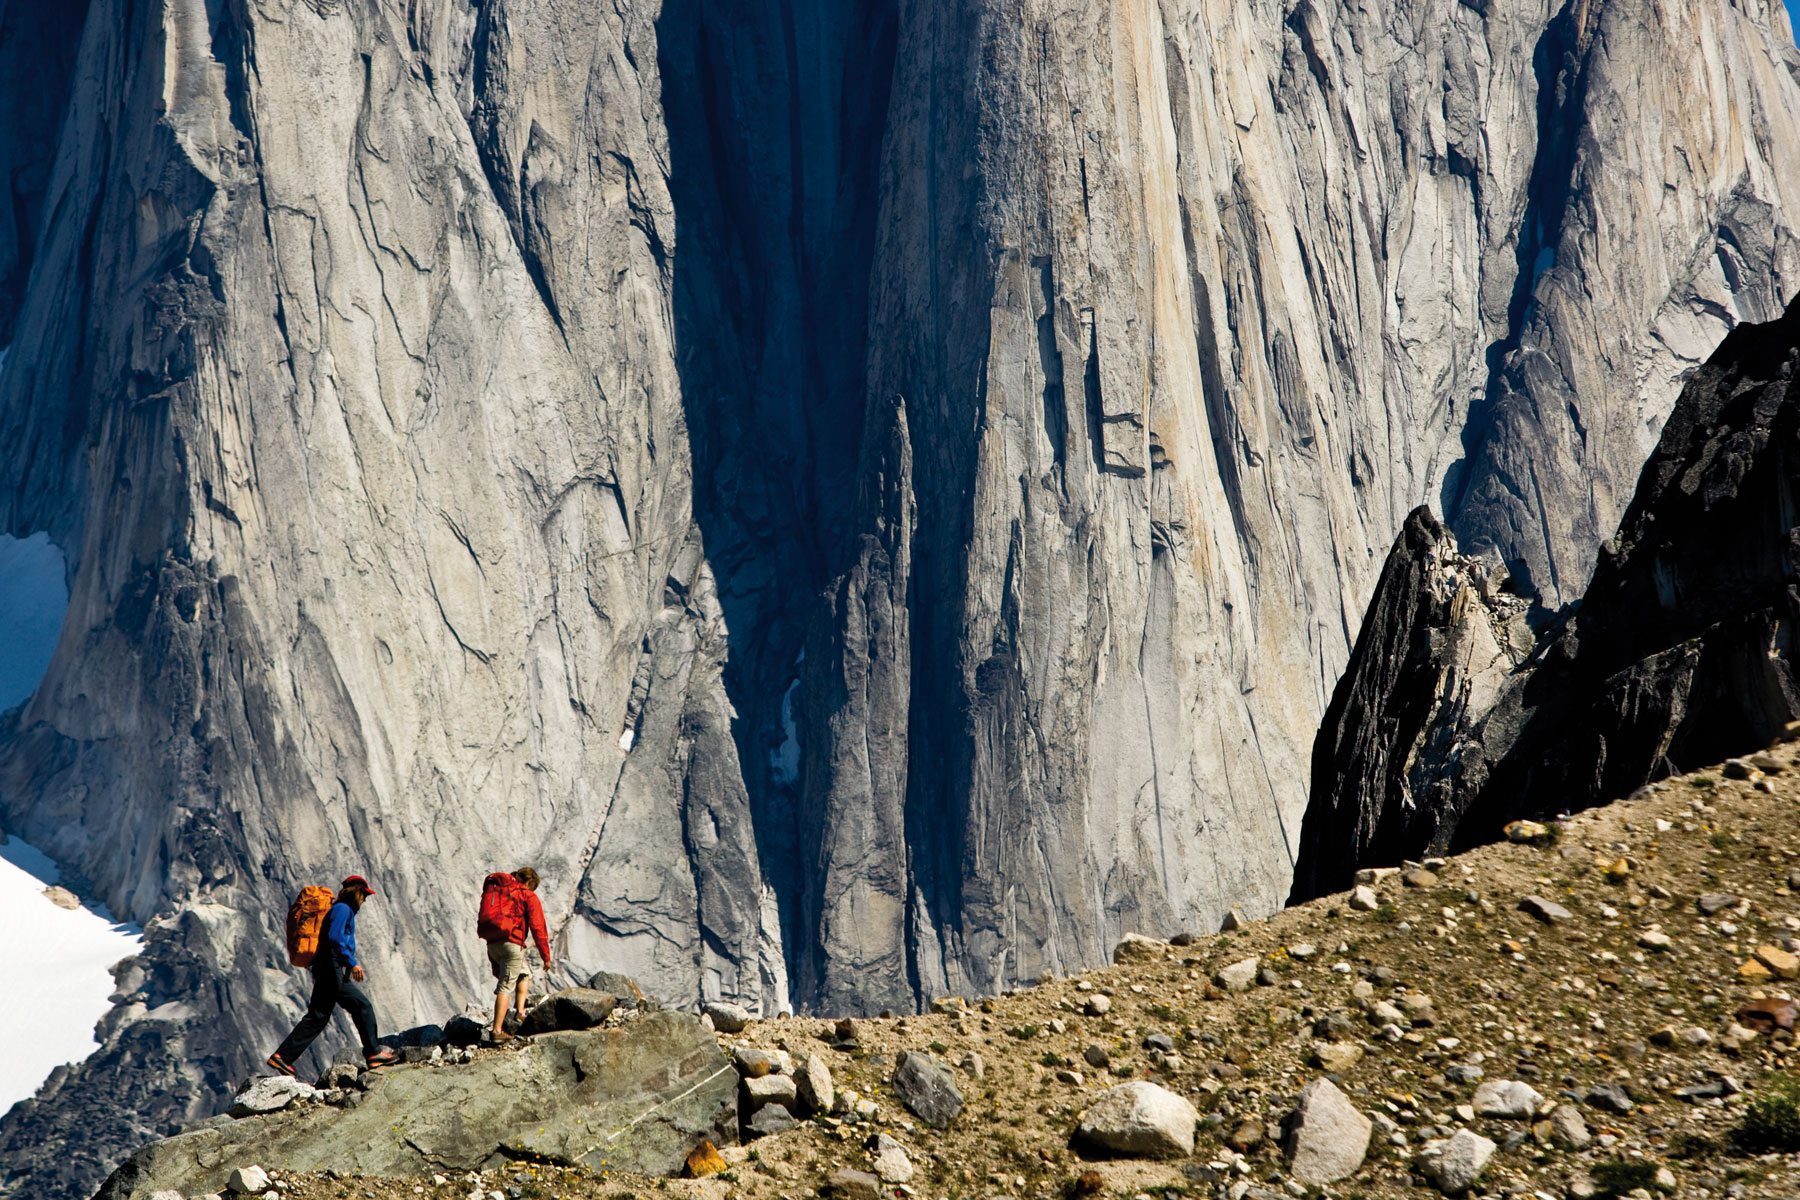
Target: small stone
1419	877
1458	1163
891	1163
1238	976
1327	1138
727	1017
949	1005
1096	1056
1529	833
1337	1057
1139	1118
703	1160
1737	768
1665	1180
1245	1137
1364	899
813	1087
1656	940
925	1086
1781	963
1609	1097
844	1032
1568	1129
1137	948
248	1181
854	1185
1714	903
1098	1005
1508	1099
972	1065
1547	911
1234	920
1301	951
1752	971
1370	875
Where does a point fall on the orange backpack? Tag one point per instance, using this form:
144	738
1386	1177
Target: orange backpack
306	919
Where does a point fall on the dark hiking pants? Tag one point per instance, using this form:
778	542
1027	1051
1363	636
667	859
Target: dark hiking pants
332	988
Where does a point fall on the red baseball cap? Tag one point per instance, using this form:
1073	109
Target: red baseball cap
357	881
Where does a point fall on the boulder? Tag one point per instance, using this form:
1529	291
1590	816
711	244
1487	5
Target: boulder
891	1163
1454	1166
1364	899
464	1030
1508	1099
247	1181
569	1009
1327	1138
272	1093
703	1160
754	1061
1547	911
1139	1118
1135	947
638	1096
924	1085
770	1118
813	1087
1238	976
1568	1129
853	1185
622	988
763	1090
727	1017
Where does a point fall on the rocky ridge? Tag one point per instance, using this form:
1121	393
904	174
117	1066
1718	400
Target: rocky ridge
628	439
1452	719
1596	1011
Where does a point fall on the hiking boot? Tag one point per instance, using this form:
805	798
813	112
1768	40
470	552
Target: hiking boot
384	1057
279	1064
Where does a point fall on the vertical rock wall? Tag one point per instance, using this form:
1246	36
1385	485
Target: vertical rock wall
869	498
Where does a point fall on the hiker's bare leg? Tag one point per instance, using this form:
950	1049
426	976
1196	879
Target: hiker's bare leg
501	998
519	1000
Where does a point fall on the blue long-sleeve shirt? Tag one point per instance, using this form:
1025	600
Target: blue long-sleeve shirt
340	935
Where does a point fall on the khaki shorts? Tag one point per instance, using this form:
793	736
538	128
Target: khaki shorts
507	959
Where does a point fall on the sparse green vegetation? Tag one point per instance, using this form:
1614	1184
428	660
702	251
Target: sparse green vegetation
1617	1177
1772	1122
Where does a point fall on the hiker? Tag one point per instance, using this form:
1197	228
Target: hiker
336	972
509	906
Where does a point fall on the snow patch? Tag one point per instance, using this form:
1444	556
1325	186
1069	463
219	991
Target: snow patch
61	975
34	597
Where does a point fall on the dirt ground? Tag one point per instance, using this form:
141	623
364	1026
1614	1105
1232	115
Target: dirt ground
1594	999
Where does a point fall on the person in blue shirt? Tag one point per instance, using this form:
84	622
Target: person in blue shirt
336	972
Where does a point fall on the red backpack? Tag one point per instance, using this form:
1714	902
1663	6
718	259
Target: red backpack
502	916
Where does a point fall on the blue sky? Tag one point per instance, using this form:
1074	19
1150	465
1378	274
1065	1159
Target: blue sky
1794	15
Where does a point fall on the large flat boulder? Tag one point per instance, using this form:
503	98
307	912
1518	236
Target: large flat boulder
639	1097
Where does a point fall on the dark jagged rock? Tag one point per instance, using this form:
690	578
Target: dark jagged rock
571	1008
1678	654
639	1097
1439	640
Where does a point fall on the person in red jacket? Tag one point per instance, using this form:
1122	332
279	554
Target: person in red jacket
510	907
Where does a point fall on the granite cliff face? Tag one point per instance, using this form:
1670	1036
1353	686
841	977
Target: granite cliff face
1448	724
870	499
